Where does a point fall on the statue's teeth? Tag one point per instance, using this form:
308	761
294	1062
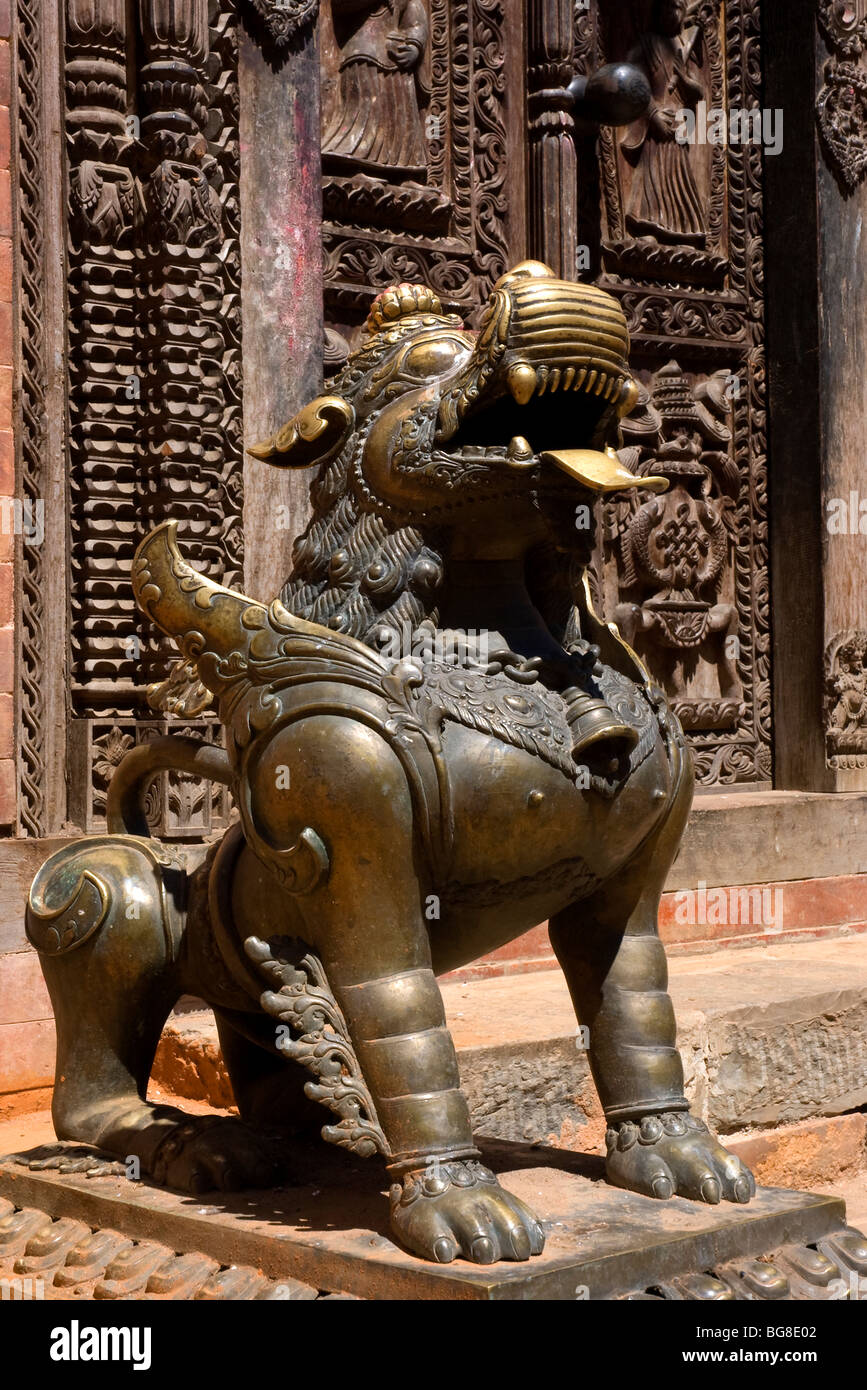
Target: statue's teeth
543	385
555	378
522	381
591	381
601	383
519	448
579	381
568	378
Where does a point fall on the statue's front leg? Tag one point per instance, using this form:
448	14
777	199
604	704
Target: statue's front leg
367	925
620	991
444	1202
617	973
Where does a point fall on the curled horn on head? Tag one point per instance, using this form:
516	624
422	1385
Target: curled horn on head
213	627
314	435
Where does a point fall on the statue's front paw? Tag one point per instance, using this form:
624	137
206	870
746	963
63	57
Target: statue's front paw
675	1153
216	1153
458	1208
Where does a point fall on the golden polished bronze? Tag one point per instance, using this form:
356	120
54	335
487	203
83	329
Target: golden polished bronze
433	744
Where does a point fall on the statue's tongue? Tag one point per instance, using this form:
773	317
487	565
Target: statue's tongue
600	472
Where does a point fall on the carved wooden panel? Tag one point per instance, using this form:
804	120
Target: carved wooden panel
841	107
846	700
154	321
675	230
178	807
33	373
129	286
415	150
153	392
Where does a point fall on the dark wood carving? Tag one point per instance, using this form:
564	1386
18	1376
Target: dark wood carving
668	574
414	151
178	806
372	121
104	348
553	186
688	271
154	335
33	373
665	199
841	107
284	20
846	700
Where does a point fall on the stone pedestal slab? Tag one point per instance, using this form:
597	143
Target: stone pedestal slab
328	1235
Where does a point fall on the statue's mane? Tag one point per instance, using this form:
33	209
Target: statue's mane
359	571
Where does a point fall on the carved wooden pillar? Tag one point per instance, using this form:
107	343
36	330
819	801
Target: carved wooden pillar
96	65
154	352
185	338
817	279
103	349
280	167
42	667
553	189
175	38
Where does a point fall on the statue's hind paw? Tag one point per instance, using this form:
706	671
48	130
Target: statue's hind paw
216	1153
458	1208
675	1154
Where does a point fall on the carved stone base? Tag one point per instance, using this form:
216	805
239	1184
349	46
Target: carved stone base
327	1236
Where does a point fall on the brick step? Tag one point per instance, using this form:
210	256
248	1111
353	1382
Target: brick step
707	918
769	1037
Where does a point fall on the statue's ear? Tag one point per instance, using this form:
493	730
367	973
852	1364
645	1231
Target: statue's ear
315	435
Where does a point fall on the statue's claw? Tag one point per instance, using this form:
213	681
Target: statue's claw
458	1208
675	1153
216	1153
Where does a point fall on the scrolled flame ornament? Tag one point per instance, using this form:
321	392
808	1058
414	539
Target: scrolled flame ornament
284	20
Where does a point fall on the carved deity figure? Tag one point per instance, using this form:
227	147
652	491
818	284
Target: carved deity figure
664	201
373	118
847	724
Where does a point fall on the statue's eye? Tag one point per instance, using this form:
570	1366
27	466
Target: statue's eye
434	358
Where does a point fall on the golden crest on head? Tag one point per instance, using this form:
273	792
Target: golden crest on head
400	302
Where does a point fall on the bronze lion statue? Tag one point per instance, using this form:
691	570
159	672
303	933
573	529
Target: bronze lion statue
433	744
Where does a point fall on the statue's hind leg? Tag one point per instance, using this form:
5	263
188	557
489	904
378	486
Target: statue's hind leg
102	917
616	969
107	917
268	1087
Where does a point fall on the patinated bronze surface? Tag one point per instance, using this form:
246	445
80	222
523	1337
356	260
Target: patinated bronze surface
433	744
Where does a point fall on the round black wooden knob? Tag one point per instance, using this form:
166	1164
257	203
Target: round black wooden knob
613	95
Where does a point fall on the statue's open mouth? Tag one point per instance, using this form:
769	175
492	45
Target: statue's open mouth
545	419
